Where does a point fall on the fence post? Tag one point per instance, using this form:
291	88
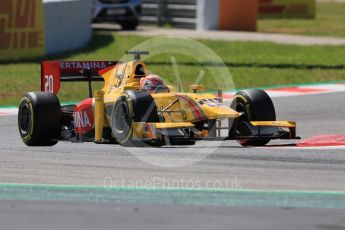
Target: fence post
161	12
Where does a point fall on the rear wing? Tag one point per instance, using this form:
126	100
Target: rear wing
54	72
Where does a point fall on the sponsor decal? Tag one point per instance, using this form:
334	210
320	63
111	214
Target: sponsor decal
82	120
82	65
21	29
194	107
83	116
130	106
50	78
210	102
48	83
75	68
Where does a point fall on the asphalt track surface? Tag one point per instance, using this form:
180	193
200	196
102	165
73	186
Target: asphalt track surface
298	173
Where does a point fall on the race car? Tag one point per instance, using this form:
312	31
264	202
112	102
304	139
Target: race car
135	107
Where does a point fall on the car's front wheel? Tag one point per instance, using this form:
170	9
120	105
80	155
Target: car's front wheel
254	105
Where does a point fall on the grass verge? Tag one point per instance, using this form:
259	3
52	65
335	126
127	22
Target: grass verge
252	64
329	21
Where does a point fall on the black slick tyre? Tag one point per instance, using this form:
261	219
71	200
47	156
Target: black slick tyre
39	119
255	105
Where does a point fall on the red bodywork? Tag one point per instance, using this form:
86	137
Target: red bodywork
53	72
83	116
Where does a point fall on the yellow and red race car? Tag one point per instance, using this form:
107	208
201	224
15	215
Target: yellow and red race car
134	107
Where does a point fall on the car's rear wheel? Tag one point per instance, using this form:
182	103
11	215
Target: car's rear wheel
39	119
122	121
254	105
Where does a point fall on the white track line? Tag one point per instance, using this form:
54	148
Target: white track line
301	90
8	111
305	148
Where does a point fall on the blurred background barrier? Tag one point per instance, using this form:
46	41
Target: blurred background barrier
238	15
30	29
287	8
21	29
222	14
178	13
202	14
227	15
67	24
208	14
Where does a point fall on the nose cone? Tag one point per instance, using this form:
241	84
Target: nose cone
218	111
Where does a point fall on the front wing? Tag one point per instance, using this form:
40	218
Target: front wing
256	130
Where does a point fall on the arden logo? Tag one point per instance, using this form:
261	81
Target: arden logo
21	29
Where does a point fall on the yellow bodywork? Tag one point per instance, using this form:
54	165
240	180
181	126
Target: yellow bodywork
120	78
179	110
186	108
291	125
142	130
282	124
125	77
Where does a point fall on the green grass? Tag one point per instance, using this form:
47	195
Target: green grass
252	64
329	21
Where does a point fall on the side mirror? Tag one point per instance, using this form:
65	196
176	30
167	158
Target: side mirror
171	88
197	88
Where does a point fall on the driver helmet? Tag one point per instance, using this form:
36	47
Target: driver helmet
153	84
